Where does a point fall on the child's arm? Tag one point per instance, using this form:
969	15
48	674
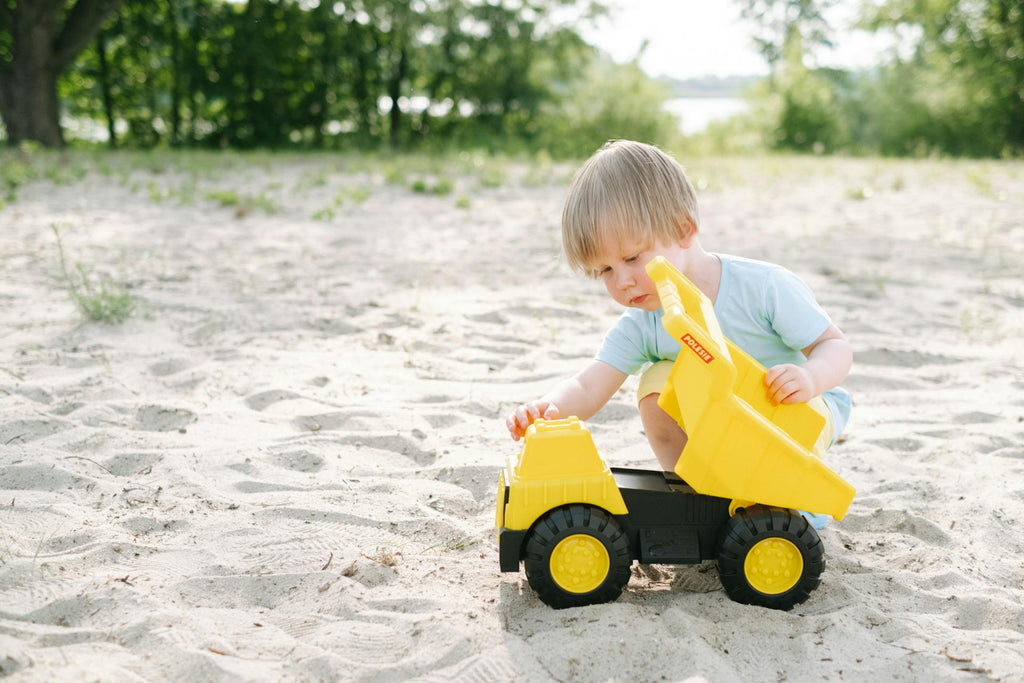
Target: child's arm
829	360
582	395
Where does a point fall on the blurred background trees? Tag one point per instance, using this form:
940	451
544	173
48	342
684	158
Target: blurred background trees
956	87
497	74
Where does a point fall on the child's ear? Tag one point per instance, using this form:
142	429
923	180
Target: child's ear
689	235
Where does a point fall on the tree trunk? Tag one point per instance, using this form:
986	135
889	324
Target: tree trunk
395	92
175	39
28	86
42	48
108	100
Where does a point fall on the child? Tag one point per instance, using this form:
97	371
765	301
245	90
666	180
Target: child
631	202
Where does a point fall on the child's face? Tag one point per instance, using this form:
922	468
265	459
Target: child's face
621	266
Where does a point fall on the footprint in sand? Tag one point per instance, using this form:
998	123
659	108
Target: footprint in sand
904	359
129	464
171	366
900	521
858	382
40	478
358	420
261	401
362	642
902	443
493	666
299	461
145	525
976	417
989	613
24	431
480	481
163	419
397	444
546	312
32	393
442	420
493	318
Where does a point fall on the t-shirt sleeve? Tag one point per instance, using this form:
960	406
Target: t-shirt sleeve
623	347
793	311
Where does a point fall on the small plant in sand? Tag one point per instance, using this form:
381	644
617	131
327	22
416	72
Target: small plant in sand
316	177
492	175
223	197
360	194
462	202
98	301
156	193
243	205
325	214
15	170
442	187
394	176
981	180
860	193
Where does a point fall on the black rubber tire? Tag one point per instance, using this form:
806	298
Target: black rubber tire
556	525
748	527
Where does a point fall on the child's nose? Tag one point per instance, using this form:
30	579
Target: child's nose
626	278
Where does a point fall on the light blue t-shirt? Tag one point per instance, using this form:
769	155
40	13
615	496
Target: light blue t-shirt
763	308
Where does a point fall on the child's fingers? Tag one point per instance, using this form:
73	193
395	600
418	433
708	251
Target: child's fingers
781	388
513	427
527	414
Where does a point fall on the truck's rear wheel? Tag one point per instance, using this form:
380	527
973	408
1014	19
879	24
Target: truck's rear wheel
577	555
769	556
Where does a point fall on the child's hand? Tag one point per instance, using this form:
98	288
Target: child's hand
789	384
525	414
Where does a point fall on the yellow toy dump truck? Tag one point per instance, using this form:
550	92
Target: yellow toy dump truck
747	468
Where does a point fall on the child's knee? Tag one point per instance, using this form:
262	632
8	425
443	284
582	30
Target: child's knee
659	426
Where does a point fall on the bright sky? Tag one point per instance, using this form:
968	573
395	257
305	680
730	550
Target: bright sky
691	38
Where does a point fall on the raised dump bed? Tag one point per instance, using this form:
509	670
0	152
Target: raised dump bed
739	445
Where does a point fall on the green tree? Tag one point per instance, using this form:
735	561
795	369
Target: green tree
609	101
967	71
39	39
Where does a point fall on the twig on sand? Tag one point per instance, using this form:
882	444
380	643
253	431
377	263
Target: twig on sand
329	560
80	457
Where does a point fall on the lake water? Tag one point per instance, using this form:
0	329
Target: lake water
695	113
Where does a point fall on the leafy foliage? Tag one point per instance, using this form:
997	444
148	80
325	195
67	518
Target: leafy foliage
272	73
959	91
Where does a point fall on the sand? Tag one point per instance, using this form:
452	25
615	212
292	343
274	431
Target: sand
283	465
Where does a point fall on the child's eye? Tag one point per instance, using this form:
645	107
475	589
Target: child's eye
632	259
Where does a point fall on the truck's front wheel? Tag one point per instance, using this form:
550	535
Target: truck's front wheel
577	555
769	556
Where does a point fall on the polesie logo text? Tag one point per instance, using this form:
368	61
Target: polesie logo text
695	346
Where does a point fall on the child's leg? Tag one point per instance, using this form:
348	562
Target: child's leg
817	520
665	436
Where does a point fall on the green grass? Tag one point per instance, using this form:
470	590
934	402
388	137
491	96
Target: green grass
859	193
440	187
326	214
224	197
98	301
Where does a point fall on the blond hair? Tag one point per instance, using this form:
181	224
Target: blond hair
626	190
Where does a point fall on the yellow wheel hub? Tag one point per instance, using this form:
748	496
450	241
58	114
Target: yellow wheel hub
579	563
773	566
